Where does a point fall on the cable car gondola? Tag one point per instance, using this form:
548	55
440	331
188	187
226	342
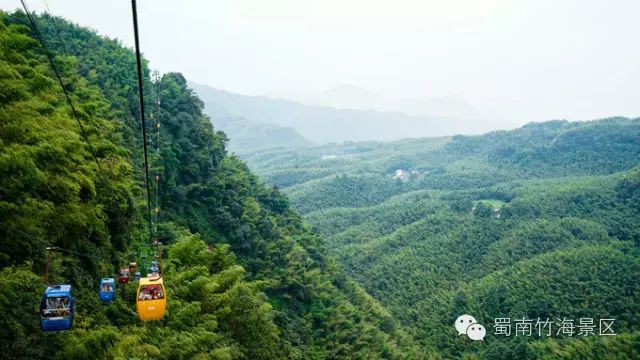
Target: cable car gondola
123	277
151	300
107	289
56	308
154	267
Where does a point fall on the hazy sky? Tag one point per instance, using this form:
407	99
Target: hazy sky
523	60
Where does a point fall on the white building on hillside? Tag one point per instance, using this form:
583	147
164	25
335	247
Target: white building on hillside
403	175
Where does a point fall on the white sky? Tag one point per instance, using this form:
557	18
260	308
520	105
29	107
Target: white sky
527	60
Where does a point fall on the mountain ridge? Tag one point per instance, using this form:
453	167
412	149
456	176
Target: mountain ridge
322	124
349	96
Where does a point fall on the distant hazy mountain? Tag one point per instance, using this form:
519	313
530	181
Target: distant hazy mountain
340	97
353	97
246	135
323	124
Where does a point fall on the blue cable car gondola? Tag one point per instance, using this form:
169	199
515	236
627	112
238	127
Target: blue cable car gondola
136	276
154	269
56	308
107	289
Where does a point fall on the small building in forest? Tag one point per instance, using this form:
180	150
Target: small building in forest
402	175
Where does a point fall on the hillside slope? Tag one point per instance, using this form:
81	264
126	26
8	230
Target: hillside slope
537	150
246	135
538	222
245	277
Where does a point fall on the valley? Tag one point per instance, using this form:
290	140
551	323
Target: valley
532	223
284	230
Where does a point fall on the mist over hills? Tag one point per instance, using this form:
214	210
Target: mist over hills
348	96
341	227
322	124
246	135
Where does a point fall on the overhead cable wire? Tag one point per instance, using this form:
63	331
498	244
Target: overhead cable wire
156	116
134	9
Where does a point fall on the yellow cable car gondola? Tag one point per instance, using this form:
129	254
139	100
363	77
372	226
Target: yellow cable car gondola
151	300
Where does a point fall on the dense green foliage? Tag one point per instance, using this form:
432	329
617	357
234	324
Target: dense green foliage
245	277
51	185
541	221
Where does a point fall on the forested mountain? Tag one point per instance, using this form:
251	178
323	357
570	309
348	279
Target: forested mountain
246	135
538	222
245	277
537	150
